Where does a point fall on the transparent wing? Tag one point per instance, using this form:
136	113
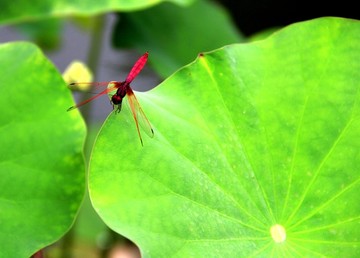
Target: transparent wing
111	86
139	115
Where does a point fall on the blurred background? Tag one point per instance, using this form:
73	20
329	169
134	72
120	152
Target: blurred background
102	43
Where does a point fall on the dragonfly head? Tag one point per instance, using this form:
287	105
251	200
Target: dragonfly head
116	99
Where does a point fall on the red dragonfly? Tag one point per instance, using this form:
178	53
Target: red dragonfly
123	89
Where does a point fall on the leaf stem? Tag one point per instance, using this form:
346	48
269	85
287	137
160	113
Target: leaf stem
67	243
94	54
93	57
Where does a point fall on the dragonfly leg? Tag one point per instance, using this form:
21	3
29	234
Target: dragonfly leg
118	108
112	104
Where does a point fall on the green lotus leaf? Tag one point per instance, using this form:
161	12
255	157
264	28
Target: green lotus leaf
15	11
255	153
41	162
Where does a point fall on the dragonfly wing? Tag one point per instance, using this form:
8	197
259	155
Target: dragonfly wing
107	90
139	115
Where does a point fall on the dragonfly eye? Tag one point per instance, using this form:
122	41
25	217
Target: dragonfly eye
116	99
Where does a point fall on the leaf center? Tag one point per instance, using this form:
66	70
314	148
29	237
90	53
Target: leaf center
278	233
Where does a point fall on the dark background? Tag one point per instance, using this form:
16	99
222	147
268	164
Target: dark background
252	16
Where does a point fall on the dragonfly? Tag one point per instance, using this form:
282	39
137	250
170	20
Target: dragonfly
121	90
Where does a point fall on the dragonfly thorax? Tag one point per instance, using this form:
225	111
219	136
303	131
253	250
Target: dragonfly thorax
119	95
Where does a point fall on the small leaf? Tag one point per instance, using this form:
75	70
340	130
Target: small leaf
255	153
41	162
175	35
